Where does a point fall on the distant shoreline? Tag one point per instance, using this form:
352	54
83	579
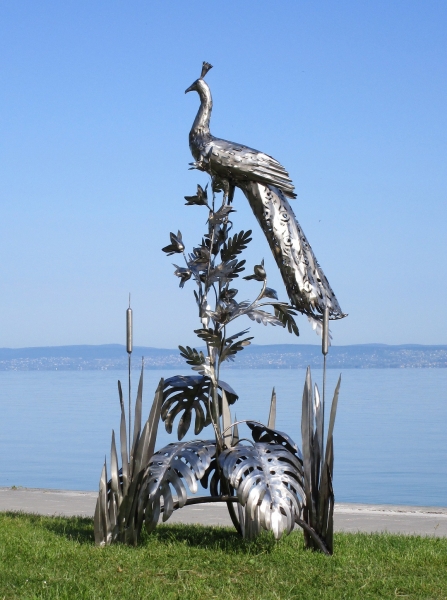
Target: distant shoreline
279	356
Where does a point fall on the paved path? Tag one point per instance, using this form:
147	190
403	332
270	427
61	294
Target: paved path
348	517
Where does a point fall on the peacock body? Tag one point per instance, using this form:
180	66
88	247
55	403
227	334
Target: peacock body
267	186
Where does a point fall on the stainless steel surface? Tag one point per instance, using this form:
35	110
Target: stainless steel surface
318	468
267	185
129	330
118	515
178	466
129	336
325	336
268	479
264	476
272	413
325	350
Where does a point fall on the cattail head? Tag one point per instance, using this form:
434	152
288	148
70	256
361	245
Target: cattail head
325	335
129	332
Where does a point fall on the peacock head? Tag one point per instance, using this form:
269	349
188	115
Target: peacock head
199	85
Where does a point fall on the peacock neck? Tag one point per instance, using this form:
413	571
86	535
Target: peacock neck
201	123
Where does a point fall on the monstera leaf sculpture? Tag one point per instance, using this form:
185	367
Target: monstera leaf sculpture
187	393
173	466
269	482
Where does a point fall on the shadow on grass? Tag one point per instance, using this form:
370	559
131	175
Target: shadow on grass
211	538
79	529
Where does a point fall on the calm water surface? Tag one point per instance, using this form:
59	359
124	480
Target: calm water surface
390	442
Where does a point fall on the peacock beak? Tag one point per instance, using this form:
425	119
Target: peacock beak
191	88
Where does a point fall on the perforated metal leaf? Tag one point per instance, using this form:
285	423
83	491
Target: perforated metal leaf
262	433
268	476
174	468
187	393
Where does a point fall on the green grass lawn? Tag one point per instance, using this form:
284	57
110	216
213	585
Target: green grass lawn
43	557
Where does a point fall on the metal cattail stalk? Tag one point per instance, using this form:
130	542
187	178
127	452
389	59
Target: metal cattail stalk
129	339
324	350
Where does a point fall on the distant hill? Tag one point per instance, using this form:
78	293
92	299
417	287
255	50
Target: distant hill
281	356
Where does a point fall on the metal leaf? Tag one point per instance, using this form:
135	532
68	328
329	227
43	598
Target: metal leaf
318	415
259	273
154	418
286	314
211	478
123	442
231	349
200	199
235	438
183	274
176	246
235	245
187	393
221	215
101	518
261	316
237	335
209	336
114	475
226	271
226	421
267	435
270	293
332	420
192	356
250	526
138	409
318	512
307	439
272	414
116	514
268	476
175	467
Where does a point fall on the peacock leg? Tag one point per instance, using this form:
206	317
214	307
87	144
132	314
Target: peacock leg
231	193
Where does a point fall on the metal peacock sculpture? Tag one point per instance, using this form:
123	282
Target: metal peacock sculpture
267	187
267	482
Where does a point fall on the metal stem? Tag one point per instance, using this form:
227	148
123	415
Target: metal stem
322	408
324	350
313	534
205	500
130	399
129	347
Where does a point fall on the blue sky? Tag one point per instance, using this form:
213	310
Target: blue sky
350	96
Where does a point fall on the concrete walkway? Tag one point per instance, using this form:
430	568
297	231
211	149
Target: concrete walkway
348	517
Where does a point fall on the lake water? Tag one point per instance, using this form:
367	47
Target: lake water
390	432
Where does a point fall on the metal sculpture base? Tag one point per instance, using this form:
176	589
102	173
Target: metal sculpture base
268	483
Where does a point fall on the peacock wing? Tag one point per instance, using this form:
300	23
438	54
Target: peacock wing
239	164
